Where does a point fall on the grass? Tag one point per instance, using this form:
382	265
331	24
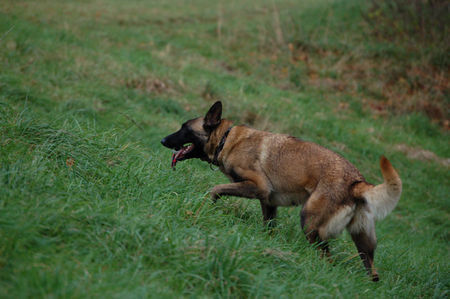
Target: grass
89	205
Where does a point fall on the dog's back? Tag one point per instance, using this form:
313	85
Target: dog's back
288	165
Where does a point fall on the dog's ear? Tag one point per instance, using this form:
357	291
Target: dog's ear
214	115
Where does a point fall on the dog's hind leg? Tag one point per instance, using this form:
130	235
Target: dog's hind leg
312	233
366	244
322	220
362	230
311	218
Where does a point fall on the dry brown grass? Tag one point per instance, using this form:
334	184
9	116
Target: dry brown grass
384	86
416	153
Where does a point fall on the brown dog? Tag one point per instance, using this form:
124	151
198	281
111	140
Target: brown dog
281	170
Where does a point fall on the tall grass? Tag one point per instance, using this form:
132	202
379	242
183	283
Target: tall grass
89	205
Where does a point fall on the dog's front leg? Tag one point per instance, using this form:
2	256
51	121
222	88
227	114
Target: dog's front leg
269	214
246	189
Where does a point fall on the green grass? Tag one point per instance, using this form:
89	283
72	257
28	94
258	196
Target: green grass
89	205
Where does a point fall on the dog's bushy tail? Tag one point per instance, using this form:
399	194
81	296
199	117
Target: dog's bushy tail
382	198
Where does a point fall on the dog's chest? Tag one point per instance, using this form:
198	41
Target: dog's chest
286	199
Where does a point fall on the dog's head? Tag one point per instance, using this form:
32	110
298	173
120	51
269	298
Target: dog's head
189	141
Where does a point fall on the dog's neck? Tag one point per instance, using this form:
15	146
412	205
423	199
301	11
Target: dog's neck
216	137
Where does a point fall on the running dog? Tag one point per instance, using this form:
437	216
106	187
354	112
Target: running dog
281	170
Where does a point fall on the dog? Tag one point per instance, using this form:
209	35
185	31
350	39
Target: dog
281	170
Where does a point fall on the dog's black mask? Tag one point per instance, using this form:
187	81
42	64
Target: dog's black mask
190	140
186	142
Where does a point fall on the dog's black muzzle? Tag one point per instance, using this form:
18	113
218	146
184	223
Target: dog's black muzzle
176	140
164	142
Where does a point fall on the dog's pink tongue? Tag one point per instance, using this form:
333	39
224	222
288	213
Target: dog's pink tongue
180	154
174	160
176	156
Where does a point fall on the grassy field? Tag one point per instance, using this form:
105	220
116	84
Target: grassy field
89	206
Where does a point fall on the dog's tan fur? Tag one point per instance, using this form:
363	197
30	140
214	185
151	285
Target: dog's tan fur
281	170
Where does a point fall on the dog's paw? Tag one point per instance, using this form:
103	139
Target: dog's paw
375	277
214	193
